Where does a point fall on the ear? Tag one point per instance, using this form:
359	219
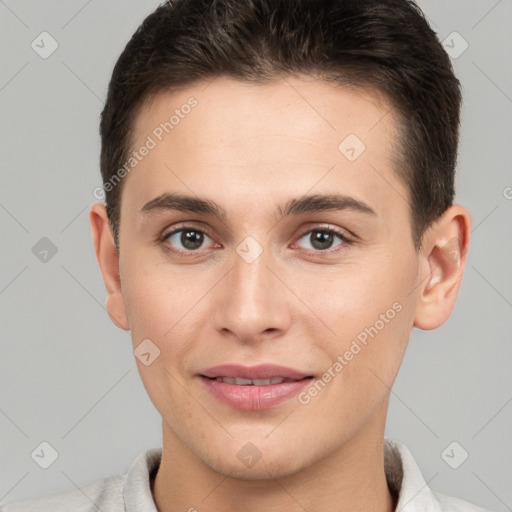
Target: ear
108	260
442	259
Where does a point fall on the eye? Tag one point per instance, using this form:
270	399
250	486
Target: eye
186	239
322	239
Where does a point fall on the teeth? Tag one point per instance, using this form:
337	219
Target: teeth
248	382
226	379
261	382
242	382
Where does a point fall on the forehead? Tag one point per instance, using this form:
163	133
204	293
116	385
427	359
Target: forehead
289	136
295	106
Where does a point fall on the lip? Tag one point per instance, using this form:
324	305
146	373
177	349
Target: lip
253	397
261	371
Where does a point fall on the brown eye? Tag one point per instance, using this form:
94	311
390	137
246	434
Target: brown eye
323	239
190	239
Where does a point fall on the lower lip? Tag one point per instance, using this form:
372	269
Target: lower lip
254	398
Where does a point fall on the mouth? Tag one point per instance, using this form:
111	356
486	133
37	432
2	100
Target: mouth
253	388
256	374
240	381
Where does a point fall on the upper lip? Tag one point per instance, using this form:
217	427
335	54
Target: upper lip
261	371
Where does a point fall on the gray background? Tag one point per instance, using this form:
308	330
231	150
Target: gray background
68	375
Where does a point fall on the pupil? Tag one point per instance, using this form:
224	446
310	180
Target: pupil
321	239
191	239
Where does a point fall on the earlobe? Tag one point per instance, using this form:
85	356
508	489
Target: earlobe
443	256
108	260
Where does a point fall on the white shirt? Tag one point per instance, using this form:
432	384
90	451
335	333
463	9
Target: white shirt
131	492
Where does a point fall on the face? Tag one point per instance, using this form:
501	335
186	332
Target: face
294	248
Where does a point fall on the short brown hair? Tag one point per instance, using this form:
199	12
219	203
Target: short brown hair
384	45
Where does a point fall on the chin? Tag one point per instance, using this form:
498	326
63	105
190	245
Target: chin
261	460
261	470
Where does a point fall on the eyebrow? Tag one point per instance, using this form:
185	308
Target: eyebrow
296	206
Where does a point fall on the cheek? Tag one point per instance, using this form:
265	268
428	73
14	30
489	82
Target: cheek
167	308
352	296
159	311
365	311
151	296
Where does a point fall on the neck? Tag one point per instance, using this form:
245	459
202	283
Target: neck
348	479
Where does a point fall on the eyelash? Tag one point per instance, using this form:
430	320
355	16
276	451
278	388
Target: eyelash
331	230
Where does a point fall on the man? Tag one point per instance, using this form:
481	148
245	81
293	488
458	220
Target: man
279	179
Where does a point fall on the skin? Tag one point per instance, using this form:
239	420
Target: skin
250	148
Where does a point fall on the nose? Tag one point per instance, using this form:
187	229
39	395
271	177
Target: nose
252	302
